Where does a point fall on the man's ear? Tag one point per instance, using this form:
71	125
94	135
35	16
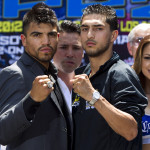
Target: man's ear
58	34
114	35
23	39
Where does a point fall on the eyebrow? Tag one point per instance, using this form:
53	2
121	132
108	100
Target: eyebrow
146	54
34	32
62	44
41	32
53	32
95	25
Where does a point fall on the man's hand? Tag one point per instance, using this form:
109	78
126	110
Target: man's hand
83	86
40	90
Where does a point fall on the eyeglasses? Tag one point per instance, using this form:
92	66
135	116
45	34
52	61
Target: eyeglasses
136	41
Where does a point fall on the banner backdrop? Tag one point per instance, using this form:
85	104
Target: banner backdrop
129	12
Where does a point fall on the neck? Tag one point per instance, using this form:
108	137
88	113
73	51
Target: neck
66	77
98	61
45	64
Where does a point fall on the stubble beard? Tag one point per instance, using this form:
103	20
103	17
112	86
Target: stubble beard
67	68
47	58
99	51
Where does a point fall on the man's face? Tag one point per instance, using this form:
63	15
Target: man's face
139	35
40	41
69	52
96	36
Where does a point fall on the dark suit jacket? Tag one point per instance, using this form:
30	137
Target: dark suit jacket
48	130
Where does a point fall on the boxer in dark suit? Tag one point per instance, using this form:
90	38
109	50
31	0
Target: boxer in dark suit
33	113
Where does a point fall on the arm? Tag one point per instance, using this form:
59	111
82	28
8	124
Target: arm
15	110
12	117
121	122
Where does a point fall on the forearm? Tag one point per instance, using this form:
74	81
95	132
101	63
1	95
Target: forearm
121	122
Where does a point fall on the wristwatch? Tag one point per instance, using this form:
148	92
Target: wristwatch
95	98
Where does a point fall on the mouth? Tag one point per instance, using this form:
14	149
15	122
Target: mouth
46	50
90	43
69	62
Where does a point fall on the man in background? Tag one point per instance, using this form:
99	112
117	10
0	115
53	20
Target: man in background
68	57
135	36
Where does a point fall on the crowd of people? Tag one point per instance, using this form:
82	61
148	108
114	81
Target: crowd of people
49	102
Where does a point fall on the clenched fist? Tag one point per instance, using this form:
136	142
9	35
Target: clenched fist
40	90
83	86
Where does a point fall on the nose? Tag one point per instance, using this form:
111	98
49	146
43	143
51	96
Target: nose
69	52
45	40
90	34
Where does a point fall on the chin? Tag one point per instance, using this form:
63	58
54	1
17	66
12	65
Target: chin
45	59
68	71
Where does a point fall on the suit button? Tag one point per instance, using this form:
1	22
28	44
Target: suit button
65	129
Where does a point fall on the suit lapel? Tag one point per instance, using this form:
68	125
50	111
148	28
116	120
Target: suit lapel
36	70
34	67
54	98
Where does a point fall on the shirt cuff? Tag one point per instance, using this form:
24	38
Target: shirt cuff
30	107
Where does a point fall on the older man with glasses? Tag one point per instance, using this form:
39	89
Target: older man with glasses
135	36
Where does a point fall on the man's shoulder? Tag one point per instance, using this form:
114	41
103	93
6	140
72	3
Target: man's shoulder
122	70
15	70
10	73
120	66
11	68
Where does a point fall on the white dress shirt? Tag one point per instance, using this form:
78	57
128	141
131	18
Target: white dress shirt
67	94
2	147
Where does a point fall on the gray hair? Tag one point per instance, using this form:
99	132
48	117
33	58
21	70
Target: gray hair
143	26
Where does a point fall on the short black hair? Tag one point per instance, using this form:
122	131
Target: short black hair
69	27
40	13
107	11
